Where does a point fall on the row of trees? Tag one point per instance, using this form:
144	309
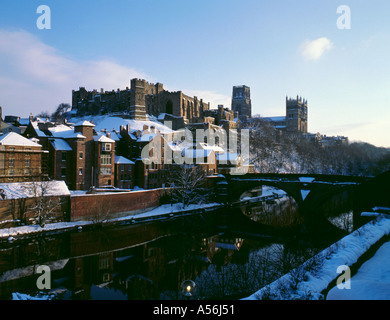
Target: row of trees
274	151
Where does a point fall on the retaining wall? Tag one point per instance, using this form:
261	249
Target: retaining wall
98	207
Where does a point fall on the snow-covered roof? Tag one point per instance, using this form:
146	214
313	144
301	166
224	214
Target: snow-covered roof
275	119
147	137
84	123
37	130
215	148
114	136
14	139
122	160
61	145
114	123
61	131
24	121
19	190
103	138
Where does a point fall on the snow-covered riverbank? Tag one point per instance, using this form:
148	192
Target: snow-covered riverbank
345	252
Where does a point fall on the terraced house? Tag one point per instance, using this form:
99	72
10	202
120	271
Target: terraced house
77	155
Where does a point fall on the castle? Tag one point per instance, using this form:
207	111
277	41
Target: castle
138	101
143	98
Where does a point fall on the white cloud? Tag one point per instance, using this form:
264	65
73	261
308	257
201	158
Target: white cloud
314	50
36	77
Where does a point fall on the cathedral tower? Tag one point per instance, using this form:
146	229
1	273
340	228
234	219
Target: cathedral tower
241	102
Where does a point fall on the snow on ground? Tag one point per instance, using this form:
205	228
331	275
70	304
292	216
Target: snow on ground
114	123
345	252
18	190
371	282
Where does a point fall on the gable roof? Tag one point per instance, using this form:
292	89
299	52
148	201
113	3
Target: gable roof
60	145
14	139
122	160
84	123
103	138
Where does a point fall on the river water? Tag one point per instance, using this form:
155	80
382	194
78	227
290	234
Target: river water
152	260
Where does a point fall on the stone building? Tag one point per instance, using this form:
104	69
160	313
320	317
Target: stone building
296	115
141	99
241	102
296	119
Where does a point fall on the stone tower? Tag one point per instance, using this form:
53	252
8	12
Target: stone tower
296	115
139	88
241	102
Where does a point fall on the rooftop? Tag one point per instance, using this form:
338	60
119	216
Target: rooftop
14	139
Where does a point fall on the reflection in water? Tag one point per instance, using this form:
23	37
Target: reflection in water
148	261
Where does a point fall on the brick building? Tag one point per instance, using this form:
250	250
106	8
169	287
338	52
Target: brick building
20	159
124	173
77	155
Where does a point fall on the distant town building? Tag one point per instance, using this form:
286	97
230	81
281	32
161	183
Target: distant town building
6	127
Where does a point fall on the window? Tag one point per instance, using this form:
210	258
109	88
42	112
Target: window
11	163
106	159
27	172
81	155
80	172
105	170
63	156
106	147
11	172
63	172
27	163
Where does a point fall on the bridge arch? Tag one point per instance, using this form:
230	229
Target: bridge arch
309	194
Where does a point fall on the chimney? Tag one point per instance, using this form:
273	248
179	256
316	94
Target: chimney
108	135
146	127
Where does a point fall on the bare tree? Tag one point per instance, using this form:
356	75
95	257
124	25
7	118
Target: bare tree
58	115
186	182
43	207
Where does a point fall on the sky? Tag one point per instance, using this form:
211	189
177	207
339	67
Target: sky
335	58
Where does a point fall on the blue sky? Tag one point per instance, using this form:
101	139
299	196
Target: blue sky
204	48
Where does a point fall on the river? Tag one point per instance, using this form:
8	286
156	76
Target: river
225	258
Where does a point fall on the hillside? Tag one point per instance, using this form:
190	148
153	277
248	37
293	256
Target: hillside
272	150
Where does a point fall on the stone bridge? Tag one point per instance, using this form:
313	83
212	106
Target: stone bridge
309	191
